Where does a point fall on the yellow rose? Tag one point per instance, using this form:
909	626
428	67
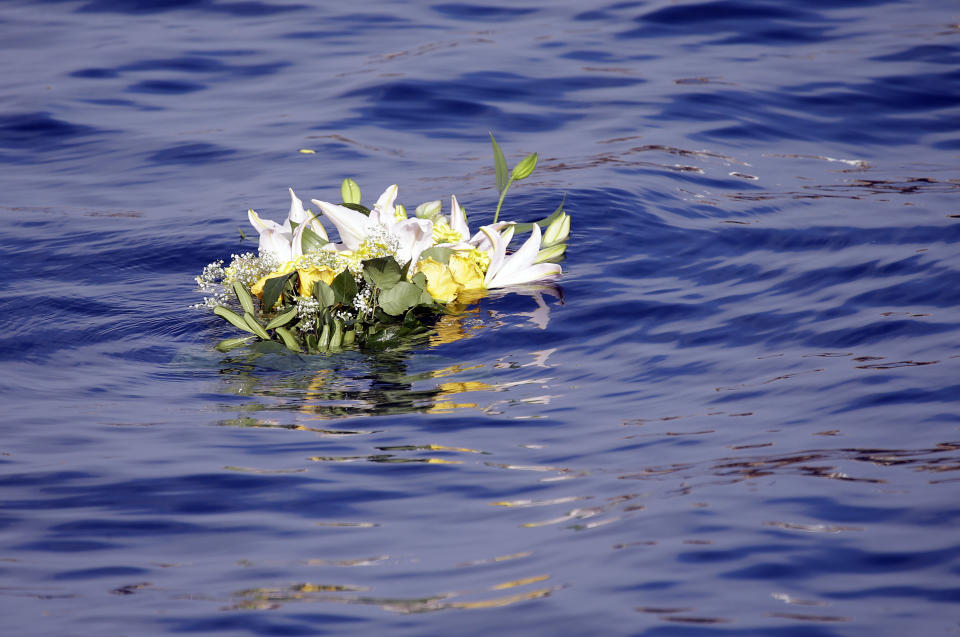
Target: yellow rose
465	271
309	276
286	268
440	283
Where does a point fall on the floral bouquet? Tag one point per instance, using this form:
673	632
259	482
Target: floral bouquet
386	278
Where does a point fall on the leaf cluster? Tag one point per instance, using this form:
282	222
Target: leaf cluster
396	310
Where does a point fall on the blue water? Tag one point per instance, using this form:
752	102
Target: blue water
739	416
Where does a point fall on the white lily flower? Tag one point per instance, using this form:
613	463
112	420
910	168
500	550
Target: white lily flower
519	267
414	235
274	238
279	239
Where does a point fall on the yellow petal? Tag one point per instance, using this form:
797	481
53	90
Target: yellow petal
309	276
440	283
465	271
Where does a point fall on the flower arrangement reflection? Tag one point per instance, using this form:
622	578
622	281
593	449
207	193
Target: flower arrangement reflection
387	279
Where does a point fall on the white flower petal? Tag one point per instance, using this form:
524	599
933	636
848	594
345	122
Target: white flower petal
496	251
458	218
352	225
262	225
526	275
297	214
276	243
518	268
383	211
415	235
480	240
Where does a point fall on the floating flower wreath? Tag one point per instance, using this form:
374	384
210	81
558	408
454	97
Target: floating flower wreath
388	275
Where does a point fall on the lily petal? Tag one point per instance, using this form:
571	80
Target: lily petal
297	214
351	225
519	267
274	238
458	218
276	243
383	211
497	252
415	235
262	225
527	275
480	240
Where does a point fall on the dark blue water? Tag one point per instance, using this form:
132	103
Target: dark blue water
740	417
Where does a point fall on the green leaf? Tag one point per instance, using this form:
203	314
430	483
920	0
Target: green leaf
500	164
288	339
311	241
283	319
521	228
420	280
272	290
384	272
384	337
557	231
357	207
233	343
437	253
344	288
400	298
350	191
232	317
255	327
246	301
349	337
525	167
324	293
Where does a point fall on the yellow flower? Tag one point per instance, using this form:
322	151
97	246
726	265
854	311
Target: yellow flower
465	271
309	276
440	282
286	268
443	233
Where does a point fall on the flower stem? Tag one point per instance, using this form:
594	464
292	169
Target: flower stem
503	194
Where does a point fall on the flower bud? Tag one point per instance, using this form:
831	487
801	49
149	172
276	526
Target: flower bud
551	253
429	210
557	231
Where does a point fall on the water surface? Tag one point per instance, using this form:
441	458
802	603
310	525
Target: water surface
738	416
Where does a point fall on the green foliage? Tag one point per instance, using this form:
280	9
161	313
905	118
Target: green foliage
383	272
438	254
355	206
520	171
499	165
344	288
246	301
311	241
324	294
282	319
273	288
400	298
